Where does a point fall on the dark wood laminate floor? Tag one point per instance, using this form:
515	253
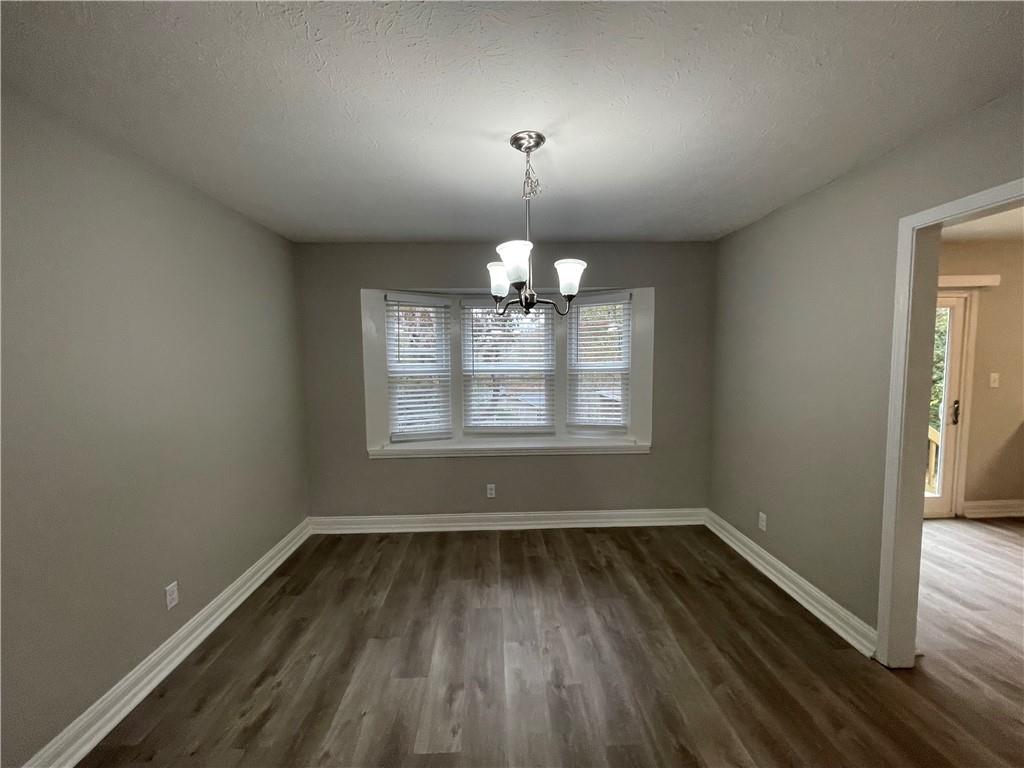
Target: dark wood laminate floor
609	647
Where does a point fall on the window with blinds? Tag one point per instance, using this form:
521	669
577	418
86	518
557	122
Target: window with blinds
599	359
419	369
508	366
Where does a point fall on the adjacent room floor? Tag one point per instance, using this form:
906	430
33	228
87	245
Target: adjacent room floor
971	627
601	647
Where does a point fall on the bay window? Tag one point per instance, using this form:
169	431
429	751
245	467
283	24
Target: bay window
445	376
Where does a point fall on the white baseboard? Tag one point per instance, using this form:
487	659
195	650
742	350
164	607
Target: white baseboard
997	508
853	630
75	741
507	521
86	731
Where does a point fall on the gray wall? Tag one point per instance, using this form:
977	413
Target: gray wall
802	346
151	414
995	448
345	482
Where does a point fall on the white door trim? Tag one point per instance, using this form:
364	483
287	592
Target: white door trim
899	573
969	281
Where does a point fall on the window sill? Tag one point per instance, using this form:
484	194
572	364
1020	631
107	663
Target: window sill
543	446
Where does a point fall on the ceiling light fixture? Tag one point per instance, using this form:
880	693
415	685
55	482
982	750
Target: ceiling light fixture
515	269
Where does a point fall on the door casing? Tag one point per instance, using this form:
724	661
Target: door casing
899	570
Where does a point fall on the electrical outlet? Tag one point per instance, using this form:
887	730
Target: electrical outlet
490	490
993	380
762	521
171	593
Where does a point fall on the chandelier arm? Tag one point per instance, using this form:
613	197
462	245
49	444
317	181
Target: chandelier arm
568	305
509	301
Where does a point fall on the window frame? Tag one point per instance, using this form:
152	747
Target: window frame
423	301
598	298
486	302
636	439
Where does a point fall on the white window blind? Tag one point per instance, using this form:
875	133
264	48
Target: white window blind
419	368
508	366
599	336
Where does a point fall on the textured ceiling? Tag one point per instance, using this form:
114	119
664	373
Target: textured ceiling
1007	225
341	121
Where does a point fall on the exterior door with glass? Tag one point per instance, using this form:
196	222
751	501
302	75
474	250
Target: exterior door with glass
945	407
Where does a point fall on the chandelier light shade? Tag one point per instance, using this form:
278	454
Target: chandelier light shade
499	280
515	255
515	270
569	273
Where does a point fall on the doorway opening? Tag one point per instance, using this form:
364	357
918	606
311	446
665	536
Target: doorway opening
929	406
971	594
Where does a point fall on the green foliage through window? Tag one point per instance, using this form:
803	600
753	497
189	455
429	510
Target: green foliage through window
938	367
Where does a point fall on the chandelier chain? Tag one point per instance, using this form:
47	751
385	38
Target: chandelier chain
531	183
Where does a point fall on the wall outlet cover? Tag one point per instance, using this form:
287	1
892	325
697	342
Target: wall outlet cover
171	593
490	490
762	521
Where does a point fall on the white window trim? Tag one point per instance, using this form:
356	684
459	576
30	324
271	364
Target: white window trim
636	440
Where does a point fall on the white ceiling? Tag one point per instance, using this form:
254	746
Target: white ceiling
1007	225
341	121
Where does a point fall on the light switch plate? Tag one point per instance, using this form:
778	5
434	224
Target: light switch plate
993	380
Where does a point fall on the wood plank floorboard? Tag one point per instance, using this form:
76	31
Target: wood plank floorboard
971	628
613	647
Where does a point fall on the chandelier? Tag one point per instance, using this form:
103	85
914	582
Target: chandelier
515	269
